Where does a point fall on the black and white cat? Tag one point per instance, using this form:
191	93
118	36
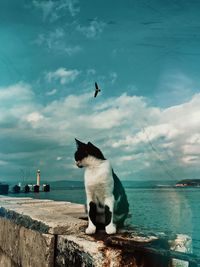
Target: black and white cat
106	199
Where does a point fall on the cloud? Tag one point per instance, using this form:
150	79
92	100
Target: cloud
71	5
52	92
91	72
137	137
20	91
54	10
53	39
174	88
16	100
63	75
148	134
45	6
34	117
129	124
56	40
71	50
93	30
113	77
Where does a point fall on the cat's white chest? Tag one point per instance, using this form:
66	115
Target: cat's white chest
99	181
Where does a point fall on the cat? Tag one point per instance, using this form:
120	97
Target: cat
107	202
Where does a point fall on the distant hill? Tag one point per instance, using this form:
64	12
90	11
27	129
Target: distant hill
66	184
188	182
147	184
127	184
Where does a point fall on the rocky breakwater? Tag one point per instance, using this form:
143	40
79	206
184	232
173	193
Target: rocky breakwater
46	233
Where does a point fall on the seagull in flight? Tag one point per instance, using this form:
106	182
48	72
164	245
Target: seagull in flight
97	90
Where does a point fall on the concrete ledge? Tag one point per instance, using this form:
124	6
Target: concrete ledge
45	233
45	216
25	247
5	261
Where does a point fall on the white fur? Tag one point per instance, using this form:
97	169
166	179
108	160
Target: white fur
99	188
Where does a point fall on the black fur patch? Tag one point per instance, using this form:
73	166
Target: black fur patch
80	154
108	215
92	212
94	151
118	188
122	207
83	150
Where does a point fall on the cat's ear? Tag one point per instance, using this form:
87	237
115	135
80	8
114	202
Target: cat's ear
95	151
79	143
90	144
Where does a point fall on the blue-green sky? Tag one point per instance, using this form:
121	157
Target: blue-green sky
145	56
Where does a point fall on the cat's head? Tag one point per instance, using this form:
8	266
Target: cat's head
85	153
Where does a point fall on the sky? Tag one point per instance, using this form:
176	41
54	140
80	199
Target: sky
145	56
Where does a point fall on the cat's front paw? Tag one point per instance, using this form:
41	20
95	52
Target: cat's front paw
111	229
90	230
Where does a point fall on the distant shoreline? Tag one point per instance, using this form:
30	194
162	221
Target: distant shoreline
188	183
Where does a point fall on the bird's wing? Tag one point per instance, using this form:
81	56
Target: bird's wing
96	85
96	92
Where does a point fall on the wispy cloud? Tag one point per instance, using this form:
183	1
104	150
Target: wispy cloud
63	75
53	39
54	10
174	88
71	50
91	72
93	30
52	92
45	6
113	77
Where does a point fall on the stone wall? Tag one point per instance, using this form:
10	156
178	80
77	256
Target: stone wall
45	233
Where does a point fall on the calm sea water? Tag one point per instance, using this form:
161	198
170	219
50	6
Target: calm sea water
174	210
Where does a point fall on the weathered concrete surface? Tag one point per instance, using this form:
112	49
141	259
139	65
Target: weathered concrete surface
45	216
45	233
36	249
102	250
85	251
24	246
28	229
5	261
10	239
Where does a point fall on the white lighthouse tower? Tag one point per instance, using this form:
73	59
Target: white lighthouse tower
38	177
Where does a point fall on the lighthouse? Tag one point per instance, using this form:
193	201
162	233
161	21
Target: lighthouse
38	177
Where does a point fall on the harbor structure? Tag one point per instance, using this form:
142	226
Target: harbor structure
38	178
35	187
46	187
4	189
16	188
26	188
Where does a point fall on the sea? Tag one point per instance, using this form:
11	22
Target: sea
155	207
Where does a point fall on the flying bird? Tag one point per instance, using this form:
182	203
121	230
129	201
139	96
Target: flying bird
97	90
